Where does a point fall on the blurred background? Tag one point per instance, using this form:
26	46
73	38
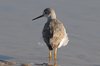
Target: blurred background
21	39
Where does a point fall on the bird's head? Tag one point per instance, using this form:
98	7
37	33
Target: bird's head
49	13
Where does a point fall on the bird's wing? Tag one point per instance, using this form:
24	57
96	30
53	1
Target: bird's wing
57	30
47	35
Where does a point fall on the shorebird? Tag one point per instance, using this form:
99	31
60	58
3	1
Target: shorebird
54	32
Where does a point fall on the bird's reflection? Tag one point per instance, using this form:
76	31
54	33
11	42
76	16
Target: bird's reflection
47	64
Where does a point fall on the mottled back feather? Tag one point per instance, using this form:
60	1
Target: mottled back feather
53	33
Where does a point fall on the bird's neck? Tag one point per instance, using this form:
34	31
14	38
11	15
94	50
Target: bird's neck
52	16
50	20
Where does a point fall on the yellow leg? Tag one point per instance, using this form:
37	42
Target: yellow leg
55	63
50	55
55	54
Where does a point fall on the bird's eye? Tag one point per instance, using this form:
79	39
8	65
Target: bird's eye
46	12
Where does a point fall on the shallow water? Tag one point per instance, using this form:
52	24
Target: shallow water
21	39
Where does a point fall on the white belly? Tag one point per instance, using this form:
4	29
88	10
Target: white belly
64	41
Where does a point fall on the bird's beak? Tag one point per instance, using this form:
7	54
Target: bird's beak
38	17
